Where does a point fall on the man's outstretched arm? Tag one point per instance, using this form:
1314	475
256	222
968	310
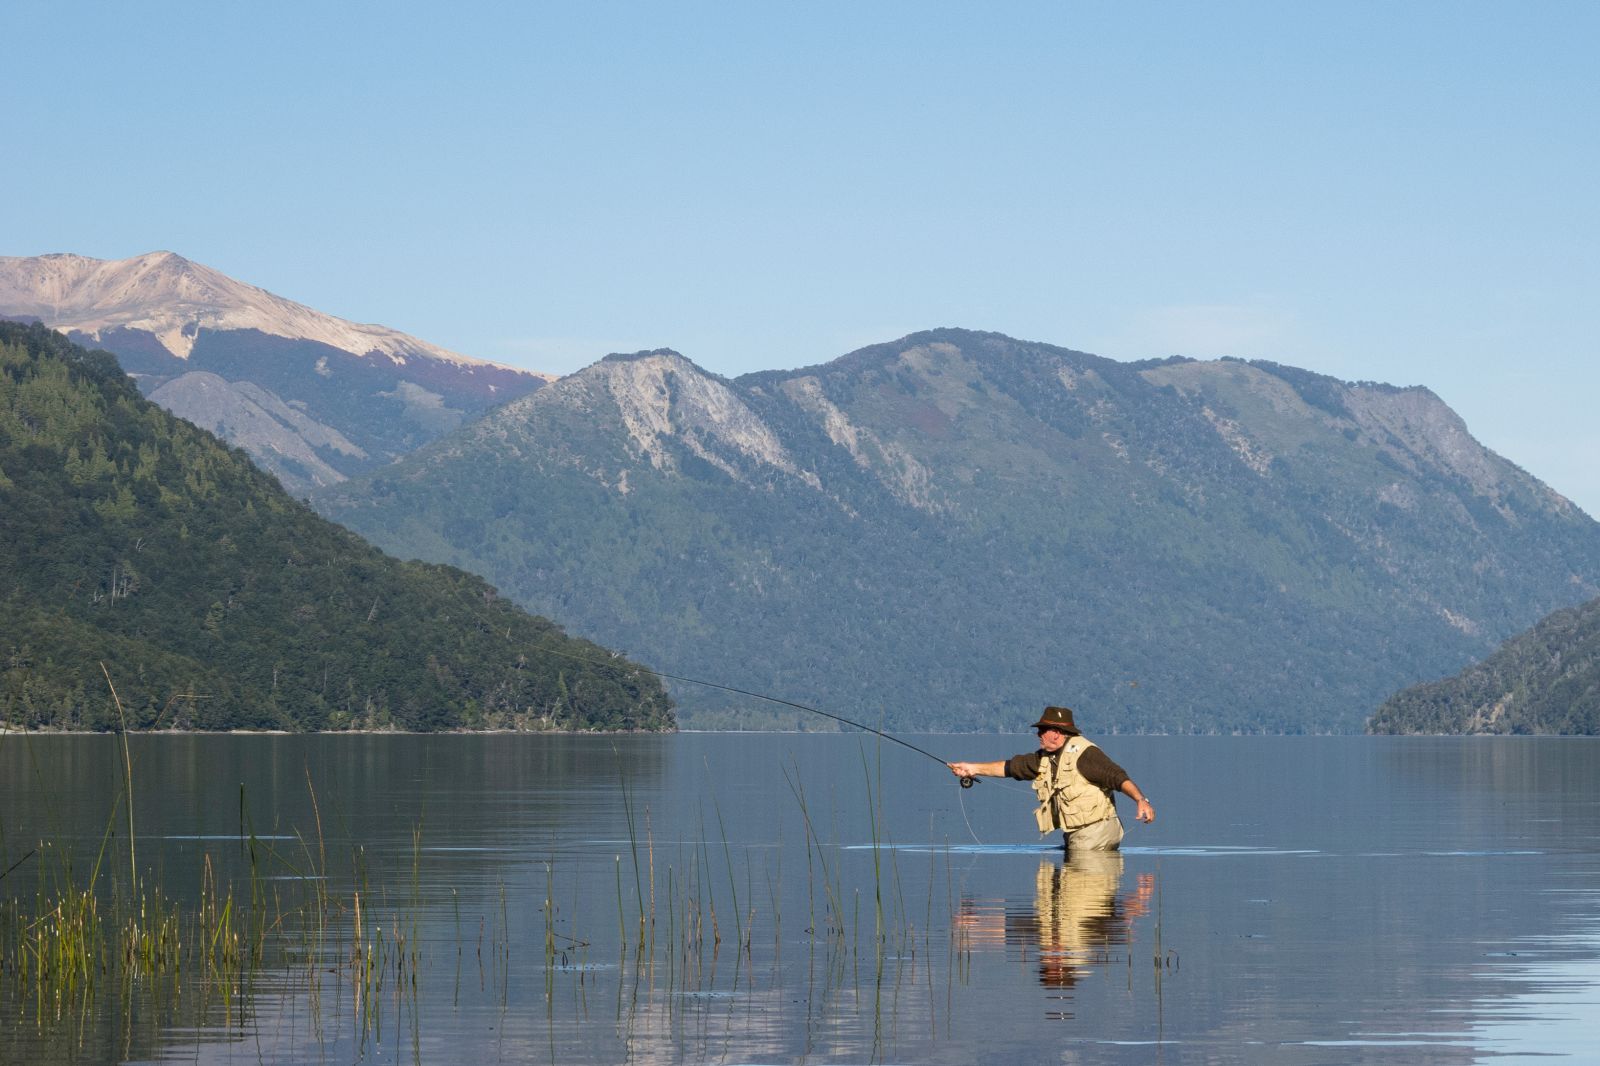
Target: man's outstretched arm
978	769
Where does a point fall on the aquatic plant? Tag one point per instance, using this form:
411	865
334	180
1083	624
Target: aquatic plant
351	929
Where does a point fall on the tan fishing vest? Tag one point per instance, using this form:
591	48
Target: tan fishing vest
1067	800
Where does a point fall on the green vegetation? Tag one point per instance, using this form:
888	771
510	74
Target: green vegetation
970	527
83	940
1546	680
214	600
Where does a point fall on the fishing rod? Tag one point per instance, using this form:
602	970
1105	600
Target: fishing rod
966	782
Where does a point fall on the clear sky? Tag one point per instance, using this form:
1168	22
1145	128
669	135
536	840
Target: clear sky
1399	192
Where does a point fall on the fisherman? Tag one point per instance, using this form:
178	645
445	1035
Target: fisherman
1074	780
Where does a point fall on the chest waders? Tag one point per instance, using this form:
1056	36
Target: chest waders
1067	801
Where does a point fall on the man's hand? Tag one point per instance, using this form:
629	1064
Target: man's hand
971	771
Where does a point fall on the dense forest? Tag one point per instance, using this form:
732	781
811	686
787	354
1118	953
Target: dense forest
142	553
1544	681
953	530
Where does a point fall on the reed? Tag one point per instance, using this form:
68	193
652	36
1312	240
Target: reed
622	925
633	841
733	889
127	775
549	931
877	862
82	926
348	921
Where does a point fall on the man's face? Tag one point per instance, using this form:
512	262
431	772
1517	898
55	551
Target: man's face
1052	740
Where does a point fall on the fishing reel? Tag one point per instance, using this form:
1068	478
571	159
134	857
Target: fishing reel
968	782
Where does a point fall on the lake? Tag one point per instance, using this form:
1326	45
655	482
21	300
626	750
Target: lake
805	898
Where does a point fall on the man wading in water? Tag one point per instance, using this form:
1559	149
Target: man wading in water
1074	781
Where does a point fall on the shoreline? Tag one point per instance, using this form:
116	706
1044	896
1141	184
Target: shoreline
6	730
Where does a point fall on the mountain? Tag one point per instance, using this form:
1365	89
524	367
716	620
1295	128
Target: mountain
1543	681
954	529
140	549
311	397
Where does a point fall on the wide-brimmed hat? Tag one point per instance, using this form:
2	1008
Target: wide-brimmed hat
1057	718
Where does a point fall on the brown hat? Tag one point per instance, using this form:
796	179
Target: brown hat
1057	718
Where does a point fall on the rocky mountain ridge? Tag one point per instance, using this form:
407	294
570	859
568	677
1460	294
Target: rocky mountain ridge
942	528
173	299
284	381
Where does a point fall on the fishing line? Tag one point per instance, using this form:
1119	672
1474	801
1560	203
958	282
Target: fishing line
966	782
756	695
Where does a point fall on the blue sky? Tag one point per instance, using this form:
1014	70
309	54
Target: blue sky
1378	191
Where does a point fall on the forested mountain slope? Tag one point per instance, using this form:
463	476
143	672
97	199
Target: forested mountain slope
214	600
1546	680
953	529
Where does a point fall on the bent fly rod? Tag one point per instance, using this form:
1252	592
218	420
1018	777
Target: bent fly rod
966	782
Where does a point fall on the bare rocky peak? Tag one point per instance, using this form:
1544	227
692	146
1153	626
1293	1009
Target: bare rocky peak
172	298
662	397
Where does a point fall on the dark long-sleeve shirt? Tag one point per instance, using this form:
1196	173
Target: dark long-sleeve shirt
1095	765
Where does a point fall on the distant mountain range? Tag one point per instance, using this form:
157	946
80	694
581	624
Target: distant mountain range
933	532
1543	681
311	397
140	551
950	530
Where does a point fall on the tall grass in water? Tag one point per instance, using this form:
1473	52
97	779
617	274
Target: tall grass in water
72	931
365	942
78	929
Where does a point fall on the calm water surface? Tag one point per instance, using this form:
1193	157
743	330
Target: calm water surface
759	898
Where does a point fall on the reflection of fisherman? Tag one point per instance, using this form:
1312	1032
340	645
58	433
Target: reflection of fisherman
1078	916
1074	781
1077	913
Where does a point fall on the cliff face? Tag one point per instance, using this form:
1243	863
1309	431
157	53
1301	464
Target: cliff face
949	529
